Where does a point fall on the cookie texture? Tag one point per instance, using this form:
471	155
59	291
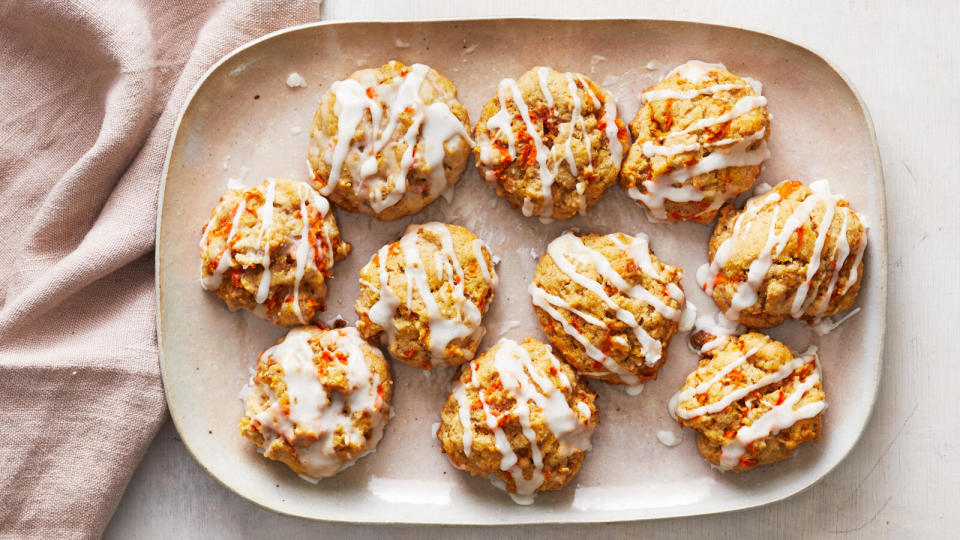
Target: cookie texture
751	401
608	305
426	295
269	248
550	142
795	251
699	141
519	416
388	141
319	400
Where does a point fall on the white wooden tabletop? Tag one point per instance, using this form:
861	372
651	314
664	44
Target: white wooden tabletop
902	478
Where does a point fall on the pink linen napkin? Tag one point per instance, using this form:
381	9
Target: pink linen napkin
89	93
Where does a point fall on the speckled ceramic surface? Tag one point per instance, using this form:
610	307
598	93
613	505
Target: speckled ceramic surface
244	122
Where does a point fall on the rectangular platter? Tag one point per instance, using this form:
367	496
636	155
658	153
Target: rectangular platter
243	122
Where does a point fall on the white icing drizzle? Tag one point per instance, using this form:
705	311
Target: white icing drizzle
800	298
776	418
670	186
840	254
526	383
694	71
303	245
300	249
309	479
660	95
852	278
718	326
212	282
638	249
586	87
755	84
265	216
546	175
441	330
687	318
825	326
668	438
747	292
488	274
314	411
542	74
546	301
575	117
568	246
726	153
381	313
439	126
785	371
714	343
650	149
373	180
463	410
500	124
704	386
740	108
303	259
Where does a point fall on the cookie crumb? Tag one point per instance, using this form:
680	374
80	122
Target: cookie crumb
295	80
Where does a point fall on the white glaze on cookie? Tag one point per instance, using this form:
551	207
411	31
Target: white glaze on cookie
310	410
441	330
777	416
779	233
527	385
567	251
306	252
549	159
378	179
726	153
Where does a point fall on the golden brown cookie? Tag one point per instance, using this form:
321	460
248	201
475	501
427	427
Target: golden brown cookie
551	143
608	305
388	141
751	401
699	141
319	400
268	249
427	293
795	251
519	416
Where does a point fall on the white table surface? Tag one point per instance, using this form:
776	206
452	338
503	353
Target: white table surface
902	478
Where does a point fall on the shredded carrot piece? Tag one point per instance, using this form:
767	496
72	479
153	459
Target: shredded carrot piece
788	187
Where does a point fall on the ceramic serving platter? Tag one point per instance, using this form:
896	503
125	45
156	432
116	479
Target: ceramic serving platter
243	122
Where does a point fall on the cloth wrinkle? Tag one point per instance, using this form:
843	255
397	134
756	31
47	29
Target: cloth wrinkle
91	93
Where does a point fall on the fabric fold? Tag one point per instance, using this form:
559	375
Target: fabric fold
91	93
